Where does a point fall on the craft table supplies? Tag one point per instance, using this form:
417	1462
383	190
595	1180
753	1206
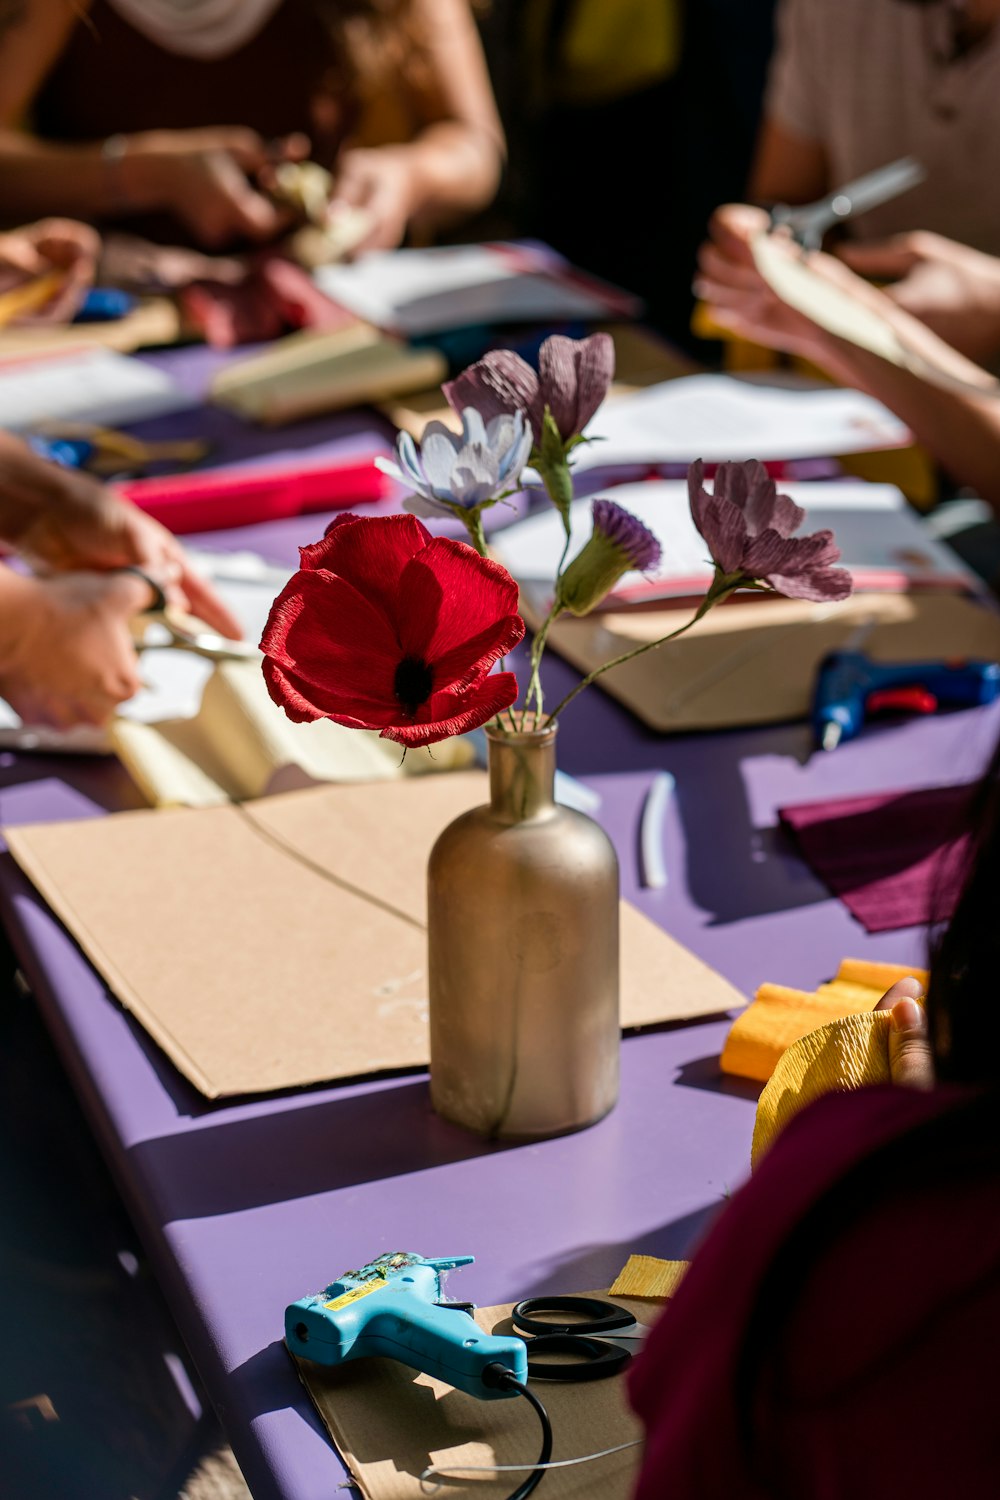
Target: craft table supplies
386	627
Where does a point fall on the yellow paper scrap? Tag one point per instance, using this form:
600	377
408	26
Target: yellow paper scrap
645	1276
844	1054
779	1016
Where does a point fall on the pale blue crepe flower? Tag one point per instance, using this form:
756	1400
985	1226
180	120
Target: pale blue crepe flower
454	472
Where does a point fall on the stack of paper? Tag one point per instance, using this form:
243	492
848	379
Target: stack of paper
416	292
93	385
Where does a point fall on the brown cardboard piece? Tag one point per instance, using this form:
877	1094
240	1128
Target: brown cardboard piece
756	663
390	1423
282	942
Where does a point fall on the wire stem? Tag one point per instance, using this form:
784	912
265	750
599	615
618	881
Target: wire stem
722	587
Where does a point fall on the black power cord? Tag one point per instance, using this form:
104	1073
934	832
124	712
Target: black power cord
497	1375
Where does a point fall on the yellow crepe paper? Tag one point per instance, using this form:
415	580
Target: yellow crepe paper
645	1276
778	1016
844	1054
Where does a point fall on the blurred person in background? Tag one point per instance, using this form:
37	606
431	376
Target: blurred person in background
855	84
164	115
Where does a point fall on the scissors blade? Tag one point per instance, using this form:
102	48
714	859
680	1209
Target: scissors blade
809	223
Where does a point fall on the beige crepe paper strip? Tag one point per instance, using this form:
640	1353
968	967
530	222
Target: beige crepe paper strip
791	277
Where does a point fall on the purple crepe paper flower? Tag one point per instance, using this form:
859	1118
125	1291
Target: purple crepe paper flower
619	544
748	527
572	381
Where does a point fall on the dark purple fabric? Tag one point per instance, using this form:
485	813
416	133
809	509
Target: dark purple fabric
895	859
863	1367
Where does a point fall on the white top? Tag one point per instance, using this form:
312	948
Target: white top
870	81
198	28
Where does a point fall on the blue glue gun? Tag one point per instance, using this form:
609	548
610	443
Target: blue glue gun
850	687
393	1308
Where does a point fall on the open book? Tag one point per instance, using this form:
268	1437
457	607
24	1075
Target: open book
240	745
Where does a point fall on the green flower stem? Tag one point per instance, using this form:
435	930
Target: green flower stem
723	585
474	526
537	647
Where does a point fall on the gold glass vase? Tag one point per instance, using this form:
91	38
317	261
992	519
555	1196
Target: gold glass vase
523	955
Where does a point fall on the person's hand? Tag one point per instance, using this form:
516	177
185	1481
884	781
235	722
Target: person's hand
88	526
60	245
739	298
207	179
953	289
66	652
911	1061
379	181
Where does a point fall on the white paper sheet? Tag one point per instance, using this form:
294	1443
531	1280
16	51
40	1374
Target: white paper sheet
721	417
454	286
883	542
96	385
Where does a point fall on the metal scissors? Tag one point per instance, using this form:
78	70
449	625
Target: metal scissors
809	222
175	631
601	1337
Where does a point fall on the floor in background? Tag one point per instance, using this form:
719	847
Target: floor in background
96	1397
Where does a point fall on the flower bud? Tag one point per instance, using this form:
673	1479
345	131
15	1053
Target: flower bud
619	544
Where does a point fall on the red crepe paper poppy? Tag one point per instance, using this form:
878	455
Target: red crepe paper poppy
386	627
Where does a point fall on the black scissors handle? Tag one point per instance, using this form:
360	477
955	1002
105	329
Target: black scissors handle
593	1357
593	1316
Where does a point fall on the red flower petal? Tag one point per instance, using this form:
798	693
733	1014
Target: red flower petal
456	609
340	650
371	554
295	698
483	702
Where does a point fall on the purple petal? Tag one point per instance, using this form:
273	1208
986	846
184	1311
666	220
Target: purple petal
626	531
557	374
825	585
725	531
595	371
697	494
575	375
770	552
499	382
732	481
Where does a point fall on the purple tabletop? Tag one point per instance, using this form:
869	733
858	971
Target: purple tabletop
246	1206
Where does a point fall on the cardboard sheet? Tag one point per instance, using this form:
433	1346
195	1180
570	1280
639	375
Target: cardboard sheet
282	943
756	663
390	1423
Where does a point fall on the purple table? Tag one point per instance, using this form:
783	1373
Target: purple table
245	1206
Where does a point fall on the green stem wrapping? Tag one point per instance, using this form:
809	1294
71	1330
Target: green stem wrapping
723	585
474	526
534	688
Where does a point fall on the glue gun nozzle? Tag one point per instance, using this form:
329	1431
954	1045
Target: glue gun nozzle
831	736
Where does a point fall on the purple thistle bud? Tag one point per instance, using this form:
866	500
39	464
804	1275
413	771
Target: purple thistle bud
626	531
618	544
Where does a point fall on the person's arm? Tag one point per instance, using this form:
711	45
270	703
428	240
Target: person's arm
205	177
787	167
63	520
452	166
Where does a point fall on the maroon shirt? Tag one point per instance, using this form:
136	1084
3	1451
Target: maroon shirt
837	1335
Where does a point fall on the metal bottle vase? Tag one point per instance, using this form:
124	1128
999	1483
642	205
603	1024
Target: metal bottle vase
523	955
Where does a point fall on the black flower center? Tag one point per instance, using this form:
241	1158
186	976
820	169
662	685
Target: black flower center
412	683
